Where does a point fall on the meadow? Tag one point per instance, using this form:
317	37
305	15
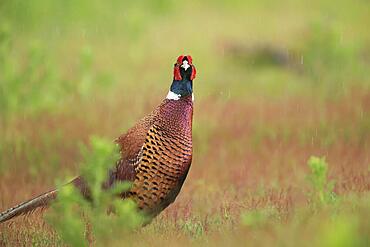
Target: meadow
281	125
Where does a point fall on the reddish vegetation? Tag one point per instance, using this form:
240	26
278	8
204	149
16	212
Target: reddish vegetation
248	155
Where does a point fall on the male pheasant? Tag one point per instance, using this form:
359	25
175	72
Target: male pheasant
156	153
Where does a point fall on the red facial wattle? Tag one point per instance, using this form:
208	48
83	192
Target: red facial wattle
176	73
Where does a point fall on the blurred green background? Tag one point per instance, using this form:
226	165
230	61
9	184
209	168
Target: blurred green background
277	82
241	48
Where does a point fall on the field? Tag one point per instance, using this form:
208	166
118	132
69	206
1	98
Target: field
281	125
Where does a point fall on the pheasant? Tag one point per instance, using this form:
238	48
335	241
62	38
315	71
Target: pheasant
155	154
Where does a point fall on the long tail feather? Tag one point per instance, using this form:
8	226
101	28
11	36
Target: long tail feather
42	200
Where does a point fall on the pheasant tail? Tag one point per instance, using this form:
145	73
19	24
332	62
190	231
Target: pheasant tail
40	201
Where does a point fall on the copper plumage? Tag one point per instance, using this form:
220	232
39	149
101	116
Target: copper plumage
156	153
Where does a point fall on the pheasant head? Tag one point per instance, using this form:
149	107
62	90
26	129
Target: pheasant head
183	75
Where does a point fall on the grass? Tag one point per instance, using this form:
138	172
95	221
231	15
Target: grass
90	69
71	213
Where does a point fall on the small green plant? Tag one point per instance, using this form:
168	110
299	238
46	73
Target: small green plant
105	215
321	189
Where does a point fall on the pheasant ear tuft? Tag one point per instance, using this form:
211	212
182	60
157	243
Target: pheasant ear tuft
179	59
176	73
193	72
190	59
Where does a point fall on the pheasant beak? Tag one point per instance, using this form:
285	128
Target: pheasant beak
185	65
